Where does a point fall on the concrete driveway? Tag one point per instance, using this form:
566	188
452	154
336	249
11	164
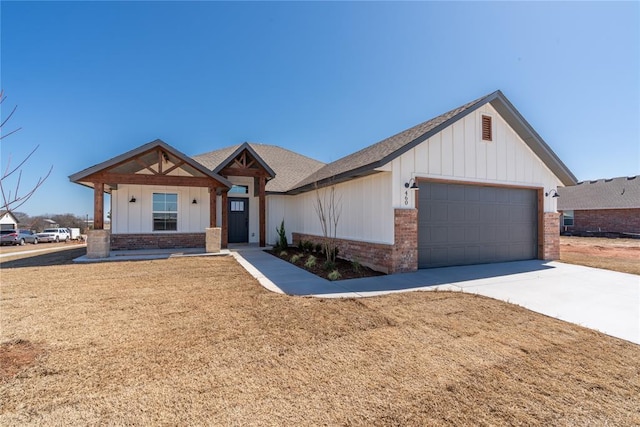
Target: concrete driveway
603	300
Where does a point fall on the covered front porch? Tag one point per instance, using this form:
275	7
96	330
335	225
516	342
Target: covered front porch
160	199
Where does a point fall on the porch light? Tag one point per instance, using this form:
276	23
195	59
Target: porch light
554	191
133	199
195	202
411	185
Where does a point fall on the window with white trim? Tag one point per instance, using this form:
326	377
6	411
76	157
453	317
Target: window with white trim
165	212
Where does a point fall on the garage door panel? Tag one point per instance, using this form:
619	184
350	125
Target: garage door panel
468	224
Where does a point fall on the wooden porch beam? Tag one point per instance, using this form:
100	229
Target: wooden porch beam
179	181
262	209
144	165
243	172
98	205
225	221
212	207
176	166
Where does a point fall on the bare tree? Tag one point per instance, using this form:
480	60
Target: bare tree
11	178
328	207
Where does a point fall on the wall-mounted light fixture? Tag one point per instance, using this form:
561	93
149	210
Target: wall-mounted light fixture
552	191
411	185
195	202
133	199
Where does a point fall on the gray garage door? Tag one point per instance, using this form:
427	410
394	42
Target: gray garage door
470	224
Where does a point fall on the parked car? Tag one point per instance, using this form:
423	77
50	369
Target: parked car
54	235
19	237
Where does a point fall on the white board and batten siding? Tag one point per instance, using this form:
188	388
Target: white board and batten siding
366	215
135	218
458	153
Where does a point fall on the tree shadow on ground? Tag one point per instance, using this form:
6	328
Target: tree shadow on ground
47	259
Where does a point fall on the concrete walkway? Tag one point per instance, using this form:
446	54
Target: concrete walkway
603	300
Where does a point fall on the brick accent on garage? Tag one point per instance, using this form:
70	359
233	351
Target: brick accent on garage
607	220
157	241
551	236
405	250
377	256
400	257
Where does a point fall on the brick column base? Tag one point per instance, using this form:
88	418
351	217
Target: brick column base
98	244
551	236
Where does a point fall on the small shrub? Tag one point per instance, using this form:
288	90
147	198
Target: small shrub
295	258
308	246
311	262
356	266
282	237
318	248
329	265
283	254
334	275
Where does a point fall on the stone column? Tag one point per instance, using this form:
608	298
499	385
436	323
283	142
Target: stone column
213	237
98	244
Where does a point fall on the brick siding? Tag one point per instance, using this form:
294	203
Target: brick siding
157	241
551	237
377	256
405	249
400	257
607	220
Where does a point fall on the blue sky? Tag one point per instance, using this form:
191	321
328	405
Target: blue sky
95	79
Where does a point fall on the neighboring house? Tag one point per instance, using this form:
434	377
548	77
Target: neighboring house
8	221
469	186
601	206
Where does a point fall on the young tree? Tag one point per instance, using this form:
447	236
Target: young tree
328	207
11	177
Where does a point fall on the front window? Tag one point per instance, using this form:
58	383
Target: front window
165	212
567	218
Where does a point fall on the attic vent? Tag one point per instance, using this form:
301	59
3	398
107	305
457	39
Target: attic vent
486	128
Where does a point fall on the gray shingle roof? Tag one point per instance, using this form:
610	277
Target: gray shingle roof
378	154
288	166
296	173
615	193
366	160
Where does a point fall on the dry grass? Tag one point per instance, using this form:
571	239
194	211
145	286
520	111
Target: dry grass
198	341
611	254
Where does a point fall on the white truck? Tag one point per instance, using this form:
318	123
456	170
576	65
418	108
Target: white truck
54	235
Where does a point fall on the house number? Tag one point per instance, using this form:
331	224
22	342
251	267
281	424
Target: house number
406	198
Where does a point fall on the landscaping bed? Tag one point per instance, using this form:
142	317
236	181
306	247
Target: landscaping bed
314	261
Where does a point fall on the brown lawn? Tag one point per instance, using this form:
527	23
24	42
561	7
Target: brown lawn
600	252
197	341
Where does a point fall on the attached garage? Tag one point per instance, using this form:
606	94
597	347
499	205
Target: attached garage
461	224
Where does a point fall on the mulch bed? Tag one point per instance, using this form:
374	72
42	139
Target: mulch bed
347	269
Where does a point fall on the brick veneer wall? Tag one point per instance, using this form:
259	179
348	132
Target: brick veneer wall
373	255
157	241
551	236
402	256
405	249
610	220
